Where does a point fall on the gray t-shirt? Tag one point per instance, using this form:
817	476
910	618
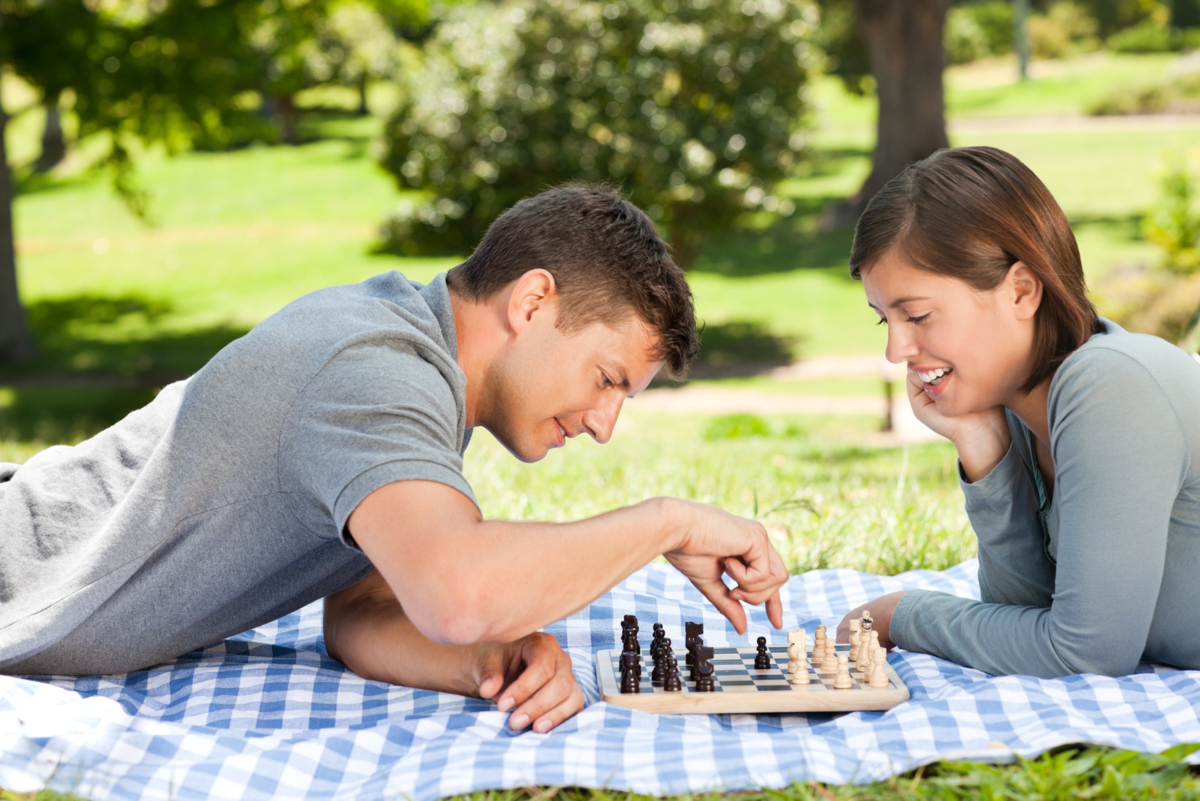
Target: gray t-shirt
1102	572
223	503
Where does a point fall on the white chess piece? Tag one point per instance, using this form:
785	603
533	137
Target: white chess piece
842	680
855	640
830	662
796	657
879	678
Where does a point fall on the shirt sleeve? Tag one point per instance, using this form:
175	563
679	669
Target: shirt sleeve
375	414
1120	451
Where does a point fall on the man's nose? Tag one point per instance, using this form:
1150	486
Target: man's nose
601	420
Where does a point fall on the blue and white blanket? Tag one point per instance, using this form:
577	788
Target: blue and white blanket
269	715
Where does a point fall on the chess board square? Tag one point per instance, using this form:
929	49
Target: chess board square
729	682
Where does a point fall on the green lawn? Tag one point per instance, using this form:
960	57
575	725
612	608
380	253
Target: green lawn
237	235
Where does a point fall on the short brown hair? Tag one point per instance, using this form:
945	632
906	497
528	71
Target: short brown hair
607	260
971	213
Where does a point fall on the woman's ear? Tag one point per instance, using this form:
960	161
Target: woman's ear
1026	290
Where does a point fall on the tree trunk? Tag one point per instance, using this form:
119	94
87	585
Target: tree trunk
285	108
363	109
904	44
54	142
16	343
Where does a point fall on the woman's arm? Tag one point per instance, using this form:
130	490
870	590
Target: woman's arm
1120	452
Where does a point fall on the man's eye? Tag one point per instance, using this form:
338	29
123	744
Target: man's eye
607	383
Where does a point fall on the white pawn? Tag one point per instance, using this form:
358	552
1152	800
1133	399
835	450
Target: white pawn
865	654
855	640
830	662
842	680
879	678
797	667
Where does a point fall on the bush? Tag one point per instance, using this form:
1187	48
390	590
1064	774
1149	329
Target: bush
998	23
965	40
1174	222
1153	99
1067	28
1146	37
696	108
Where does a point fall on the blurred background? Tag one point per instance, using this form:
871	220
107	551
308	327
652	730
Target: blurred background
177	170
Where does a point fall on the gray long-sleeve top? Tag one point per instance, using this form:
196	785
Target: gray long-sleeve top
1107	571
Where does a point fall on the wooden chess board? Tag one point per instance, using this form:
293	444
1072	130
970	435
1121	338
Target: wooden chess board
740	688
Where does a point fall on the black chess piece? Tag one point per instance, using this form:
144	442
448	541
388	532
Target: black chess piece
671	683
631	672
659	650
656	643
762	660
692	632
704	670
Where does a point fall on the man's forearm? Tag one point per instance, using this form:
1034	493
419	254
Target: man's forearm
369	633
498	580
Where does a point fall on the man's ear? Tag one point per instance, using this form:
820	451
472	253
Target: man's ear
532	295
1026	290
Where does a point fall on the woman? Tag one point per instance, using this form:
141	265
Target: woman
1078	443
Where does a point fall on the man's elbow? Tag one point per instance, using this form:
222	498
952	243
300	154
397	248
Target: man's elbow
463	617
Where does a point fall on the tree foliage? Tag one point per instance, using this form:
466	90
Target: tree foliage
695	107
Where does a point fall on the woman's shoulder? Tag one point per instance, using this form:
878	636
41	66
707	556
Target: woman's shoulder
1119	367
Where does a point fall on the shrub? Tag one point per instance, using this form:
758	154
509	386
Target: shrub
965	40
696	107
1065	29
1152	99
997	22
1174	222
1146	37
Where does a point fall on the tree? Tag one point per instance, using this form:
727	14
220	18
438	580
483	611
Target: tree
903	45
696	107
173	72
173	76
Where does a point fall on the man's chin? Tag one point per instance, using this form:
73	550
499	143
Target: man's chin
523	451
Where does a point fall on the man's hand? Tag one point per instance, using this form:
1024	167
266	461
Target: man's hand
367	630
714	543
531	677
881	610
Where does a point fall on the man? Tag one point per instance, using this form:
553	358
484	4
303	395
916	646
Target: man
320	456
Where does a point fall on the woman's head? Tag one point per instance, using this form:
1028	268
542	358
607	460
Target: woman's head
978	215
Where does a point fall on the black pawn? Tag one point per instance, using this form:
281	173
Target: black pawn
692	634
659	651
671	683
656	643
704	670
631	672
762	660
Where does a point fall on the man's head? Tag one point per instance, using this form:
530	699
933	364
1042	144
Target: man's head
592	305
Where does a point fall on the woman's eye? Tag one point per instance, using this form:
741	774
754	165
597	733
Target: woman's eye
882	321
920	319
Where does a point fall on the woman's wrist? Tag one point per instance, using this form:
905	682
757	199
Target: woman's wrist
981	450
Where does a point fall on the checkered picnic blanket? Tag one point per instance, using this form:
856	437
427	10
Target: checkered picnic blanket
269	715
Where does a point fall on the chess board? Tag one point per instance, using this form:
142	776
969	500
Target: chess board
740	688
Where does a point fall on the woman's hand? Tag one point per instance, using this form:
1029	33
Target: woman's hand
982	438
881	610
531	677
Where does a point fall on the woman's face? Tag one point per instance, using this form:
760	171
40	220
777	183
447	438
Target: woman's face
971	349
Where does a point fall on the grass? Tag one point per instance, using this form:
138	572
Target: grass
237	235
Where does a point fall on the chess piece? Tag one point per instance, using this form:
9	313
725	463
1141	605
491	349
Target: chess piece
631	672
692	633
872	644
656	643
819	640
842	680
866	620
865	654
879	677
671	683
796	658
830	663
663	657
855	640
704	670
762	659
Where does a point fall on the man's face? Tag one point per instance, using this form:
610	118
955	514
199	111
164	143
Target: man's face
548	386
